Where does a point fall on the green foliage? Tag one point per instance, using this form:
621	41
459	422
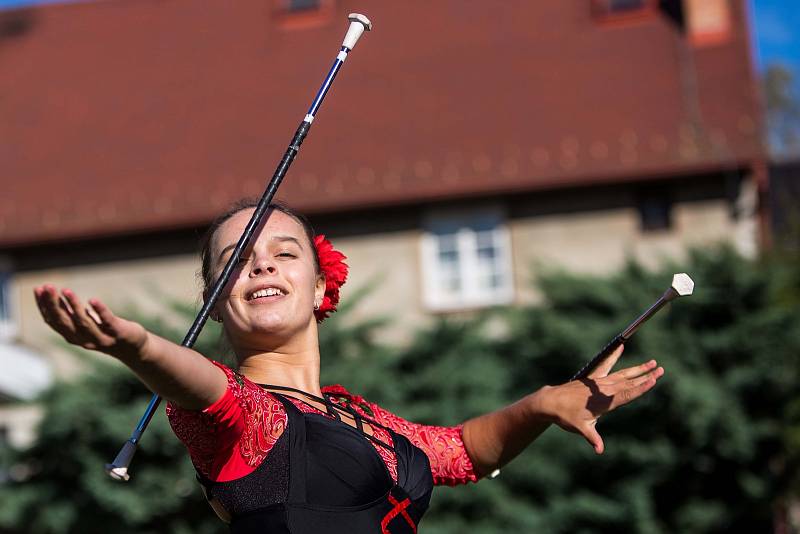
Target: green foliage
705	452
85	423
712	449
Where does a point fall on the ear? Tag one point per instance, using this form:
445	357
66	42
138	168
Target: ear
319	288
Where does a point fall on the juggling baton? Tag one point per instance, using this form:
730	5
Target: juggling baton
118	469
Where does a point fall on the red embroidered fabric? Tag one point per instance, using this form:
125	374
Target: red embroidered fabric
450	463
231	438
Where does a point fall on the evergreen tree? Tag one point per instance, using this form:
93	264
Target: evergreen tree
709	450
712	449
85	423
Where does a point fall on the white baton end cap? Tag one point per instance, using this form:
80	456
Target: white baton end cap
118	473
358	24
682	284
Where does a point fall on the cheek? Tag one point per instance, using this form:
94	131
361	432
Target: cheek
304	281
232	289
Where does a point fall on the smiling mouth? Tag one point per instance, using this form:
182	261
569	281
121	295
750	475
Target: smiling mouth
265	293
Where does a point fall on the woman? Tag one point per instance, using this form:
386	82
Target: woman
274	451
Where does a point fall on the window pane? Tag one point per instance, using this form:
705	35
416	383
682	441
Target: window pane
450	284
497	280
485	239
655	212
487	254
447	242
625	5
448	254
449	279
4	297
301	5
448	260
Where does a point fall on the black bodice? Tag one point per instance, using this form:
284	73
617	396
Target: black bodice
324	476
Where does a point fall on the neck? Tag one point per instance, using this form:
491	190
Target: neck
298	368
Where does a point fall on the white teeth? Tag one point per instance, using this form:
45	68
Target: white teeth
268	292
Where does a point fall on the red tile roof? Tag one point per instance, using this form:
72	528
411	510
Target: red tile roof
125	116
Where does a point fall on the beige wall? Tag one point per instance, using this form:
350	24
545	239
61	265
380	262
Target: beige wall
594	242
143	285
601	241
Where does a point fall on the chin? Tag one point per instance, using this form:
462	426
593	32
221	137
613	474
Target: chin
279	325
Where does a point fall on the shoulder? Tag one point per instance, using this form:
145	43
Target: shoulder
233	435
243	402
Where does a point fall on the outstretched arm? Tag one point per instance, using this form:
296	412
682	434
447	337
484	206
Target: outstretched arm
494	439
180	375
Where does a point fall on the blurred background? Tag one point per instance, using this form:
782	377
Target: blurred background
512	182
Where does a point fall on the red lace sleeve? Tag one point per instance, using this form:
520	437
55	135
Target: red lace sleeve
450	463
230	438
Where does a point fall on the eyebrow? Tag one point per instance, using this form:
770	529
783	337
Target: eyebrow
279	238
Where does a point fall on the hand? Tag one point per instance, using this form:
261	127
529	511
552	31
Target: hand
93	327
577	405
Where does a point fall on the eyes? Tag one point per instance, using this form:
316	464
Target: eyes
284	255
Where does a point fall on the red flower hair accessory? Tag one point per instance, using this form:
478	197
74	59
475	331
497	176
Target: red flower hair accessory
335	271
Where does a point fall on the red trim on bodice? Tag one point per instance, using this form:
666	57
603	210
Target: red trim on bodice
231	438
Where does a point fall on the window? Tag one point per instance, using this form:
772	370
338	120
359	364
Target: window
303	14
466	260
301	5
621	10
655	212
7	328
624	5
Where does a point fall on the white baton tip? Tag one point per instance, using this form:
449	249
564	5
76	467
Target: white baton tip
682	284
358	23
119	473
358	17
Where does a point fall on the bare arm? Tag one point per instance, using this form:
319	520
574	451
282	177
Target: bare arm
494	439
178	374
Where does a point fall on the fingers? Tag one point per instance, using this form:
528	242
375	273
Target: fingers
635	388
55	311
591	435
83	322
105	319
606	365
66	315
633	372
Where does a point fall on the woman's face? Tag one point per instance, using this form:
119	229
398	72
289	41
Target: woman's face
272	292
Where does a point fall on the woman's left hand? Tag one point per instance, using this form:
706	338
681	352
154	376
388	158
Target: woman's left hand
577	405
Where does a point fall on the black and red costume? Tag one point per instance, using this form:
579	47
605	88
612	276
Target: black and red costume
279	465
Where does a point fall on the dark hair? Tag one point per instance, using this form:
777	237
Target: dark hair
236	207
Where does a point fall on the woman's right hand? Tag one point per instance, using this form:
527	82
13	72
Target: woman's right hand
92	327
177	373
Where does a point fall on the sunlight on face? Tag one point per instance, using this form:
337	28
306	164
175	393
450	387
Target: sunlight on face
271	294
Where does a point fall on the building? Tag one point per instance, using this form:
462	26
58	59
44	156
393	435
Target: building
785	203
462	145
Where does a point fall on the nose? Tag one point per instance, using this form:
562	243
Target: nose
262	265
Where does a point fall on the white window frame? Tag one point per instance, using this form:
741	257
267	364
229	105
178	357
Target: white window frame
471	294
